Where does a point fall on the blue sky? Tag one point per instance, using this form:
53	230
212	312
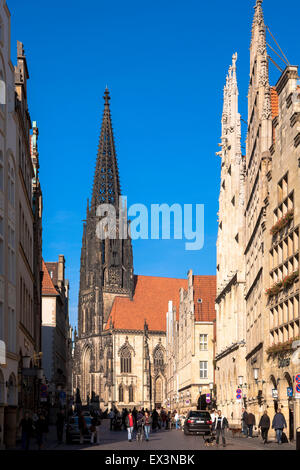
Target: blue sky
165	64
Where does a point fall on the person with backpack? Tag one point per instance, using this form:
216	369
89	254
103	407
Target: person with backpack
279	424
264	425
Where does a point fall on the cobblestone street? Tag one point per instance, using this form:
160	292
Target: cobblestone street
161	440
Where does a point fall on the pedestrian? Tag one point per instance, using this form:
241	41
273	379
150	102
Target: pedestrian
279	424
40	429
139	424
93	429
264	425
168	420
26	426
213	416
60	421
147	425
130	423
97	425
46	414
176	418
154	420
244	422
250	423
82	427
220	424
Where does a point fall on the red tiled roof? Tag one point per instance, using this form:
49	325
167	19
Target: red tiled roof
47	284
150	303
205	288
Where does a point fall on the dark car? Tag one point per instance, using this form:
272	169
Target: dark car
72	429
197	422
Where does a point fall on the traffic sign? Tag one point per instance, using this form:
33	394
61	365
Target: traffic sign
298	388
238	396
289	391
239	391
208	398
297	378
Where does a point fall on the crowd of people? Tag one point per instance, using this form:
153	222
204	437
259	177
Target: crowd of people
278	424
139	423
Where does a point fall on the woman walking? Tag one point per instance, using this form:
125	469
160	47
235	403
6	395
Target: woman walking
147	425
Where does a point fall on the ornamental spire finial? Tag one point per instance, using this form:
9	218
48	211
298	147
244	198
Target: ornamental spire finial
106	96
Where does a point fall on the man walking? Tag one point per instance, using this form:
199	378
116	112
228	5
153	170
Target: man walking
244	422
27	429
130	422
250	424
219	425
279	423
264	425
60	421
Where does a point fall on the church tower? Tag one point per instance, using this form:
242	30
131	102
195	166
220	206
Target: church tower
106	264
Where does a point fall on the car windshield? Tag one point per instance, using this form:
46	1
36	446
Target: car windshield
199	414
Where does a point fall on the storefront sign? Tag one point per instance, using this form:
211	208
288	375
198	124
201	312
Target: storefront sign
289	391
274	393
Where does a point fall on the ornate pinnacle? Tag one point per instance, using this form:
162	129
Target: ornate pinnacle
106	96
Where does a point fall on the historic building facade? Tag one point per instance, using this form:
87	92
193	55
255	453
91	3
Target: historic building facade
190	344
55	328
269	315
230	360
120	349
8	237
20	234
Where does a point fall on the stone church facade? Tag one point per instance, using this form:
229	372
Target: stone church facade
119	352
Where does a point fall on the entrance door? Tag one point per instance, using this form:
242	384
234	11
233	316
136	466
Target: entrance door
202	405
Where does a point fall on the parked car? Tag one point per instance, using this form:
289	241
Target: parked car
197	422
72	429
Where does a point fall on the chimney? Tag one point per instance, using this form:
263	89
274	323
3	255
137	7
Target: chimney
61	270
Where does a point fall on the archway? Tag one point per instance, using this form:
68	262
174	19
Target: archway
291	407
202	405
273	384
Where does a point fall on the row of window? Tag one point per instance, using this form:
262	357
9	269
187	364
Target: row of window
26	307
285	312
284	249
25	236
26	170
284	333
12	328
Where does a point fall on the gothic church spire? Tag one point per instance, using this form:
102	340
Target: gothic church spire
106	188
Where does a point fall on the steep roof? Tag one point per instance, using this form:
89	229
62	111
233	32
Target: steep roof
205	292
150	303
47	284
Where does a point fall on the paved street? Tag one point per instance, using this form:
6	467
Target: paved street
161	440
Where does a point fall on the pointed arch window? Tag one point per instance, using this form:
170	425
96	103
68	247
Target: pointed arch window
121	394
130	394
158	358
125	357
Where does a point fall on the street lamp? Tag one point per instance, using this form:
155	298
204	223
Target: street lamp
241	380
255	374
211	386
200	389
